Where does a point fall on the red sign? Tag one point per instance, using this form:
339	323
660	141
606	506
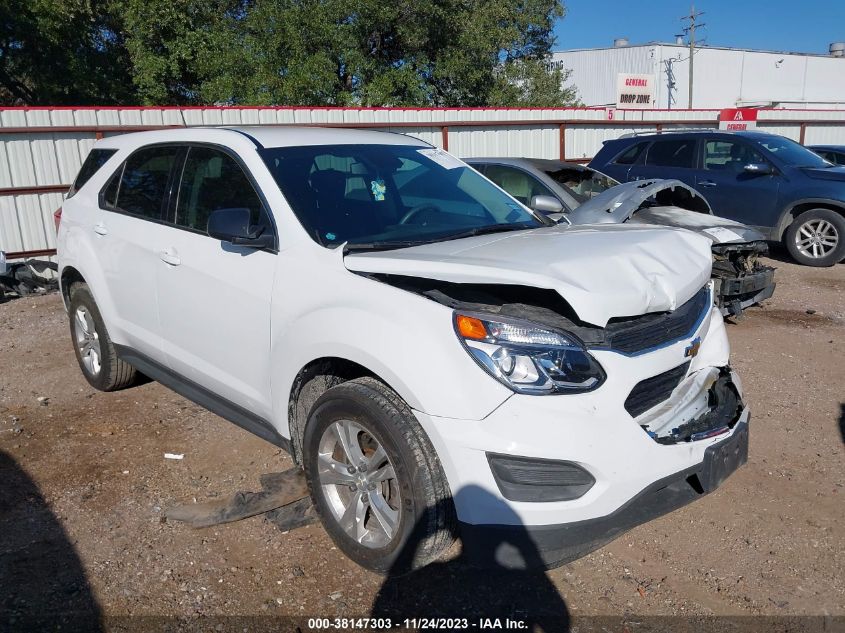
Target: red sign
738	119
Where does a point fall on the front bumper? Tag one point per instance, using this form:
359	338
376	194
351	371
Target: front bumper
593	432
519	547
735	294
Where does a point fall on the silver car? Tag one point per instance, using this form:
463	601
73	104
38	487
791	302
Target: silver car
582	195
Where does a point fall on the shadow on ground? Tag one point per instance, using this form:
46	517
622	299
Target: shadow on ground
842	422
475	588
42	581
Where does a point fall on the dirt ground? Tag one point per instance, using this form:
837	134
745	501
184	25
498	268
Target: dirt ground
84	482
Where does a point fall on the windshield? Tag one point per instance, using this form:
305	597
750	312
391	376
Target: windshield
389	195
793	153
582	184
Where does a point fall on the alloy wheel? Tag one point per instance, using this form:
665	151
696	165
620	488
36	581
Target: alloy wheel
359	483
87	340
816	238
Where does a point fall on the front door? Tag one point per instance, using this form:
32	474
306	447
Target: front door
731	191
214	298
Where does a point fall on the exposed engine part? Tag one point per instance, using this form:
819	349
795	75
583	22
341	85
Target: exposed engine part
740	277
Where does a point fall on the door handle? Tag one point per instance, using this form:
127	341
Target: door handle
100	229
169	257
707	183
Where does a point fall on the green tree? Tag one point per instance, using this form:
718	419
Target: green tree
68	52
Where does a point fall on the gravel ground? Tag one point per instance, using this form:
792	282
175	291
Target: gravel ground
84	481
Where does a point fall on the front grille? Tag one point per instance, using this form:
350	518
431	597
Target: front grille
636	335
652	391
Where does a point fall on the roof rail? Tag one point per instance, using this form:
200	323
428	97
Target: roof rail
674	129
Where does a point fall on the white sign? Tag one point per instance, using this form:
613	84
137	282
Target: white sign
634	92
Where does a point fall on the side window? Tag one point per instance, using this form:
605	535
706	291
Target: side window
96	158
729	156
143	185
516	182
674	153
213	180
631	155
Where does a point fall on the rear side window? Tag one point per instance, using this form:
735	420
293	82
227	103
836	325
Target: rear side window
96	158
143	185
213	180
631	155
671	153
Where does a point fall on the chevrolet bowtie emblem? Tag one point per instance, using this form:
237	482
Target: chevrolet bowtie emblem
692	349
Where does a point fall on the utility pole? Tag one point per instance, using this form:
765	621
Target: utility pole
692	19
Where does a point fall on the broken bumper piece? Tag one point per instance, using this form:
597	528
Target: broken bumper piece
520	547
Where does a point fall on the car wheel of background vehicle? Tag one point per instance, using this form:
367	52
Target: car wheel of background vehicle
817	238
94	350
375	478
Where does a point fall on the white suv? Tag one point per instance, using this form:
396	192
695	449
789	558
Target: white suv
438	359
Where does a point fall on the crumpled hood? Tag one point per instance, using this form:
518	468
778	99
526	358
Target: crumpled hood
717	230
602	271
618	203
825	173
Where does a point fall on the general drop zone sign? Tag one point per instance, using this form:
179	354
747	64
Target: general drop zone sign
634	91
738	119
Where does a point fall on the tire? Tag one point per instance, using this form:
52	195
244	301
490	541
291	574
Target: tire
375	418
94	350
817	238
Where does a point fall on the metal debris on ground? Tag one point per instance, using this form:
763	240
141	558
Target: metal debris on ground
33	276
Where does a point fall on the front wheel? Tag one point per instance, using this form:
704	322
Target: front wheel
375	479
817	238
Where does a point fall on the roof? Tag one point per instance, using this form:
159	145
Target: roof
538	163
264	135
826	55
833	148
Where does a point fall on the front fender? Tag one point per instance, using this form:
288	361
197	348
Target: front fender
406	340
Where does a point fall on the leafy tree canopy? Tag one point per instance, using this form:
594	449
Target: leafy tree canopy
281	52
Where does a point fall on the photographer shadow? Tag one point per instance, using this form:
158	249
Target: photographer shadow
501	578
42	581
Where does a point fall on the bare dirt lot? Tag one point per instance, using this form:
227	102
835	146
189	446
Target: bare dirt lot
84	482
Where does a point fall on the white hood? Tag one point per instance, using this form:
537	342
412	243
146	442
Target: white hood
602	271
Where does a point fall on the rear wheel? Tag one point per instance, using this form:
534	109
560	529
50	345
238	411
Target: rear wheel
817	238
375	478
95	352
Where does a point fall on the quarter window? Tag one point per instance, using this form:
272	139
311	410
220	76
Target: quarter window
213	180
143	186
671	153
729	156
96	158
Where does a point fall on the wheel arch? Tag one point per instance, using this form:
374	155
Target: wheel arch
67	278
800	206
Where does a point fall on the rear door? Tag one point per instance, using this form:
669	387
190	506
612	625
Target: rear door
670	157
214	297
127	232
731	191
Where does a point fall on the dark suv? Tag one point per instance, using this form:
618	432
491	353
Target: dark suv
763	180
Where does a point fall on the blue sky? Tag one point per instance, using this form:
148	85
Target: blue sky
804	26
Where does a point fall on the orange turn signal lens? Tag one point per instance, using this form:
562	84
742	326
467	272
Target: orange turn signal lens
470	327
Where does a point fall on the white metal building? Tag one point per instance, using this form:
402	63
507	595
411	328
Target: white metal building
722	78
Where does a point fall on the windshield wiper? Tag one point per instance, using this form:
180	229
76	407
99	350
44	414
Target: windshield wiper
484	230
379	246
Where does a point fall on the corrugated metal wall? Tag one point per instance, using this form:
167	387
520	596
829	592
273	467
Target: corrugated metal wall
41	149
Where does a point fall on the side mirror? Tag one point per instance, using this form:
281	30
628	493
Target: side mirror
758	169
546	204
232	225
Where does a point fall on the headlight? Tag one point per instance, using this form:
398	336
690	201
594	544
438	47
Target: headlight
527	358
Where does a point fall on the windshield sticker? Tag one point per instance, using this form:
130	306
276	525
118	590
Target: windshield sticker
331	237
442	158
377	187
722	234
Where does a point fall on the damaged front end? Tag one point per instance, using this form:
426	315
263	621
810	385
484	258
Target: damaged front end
689	408
740	278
